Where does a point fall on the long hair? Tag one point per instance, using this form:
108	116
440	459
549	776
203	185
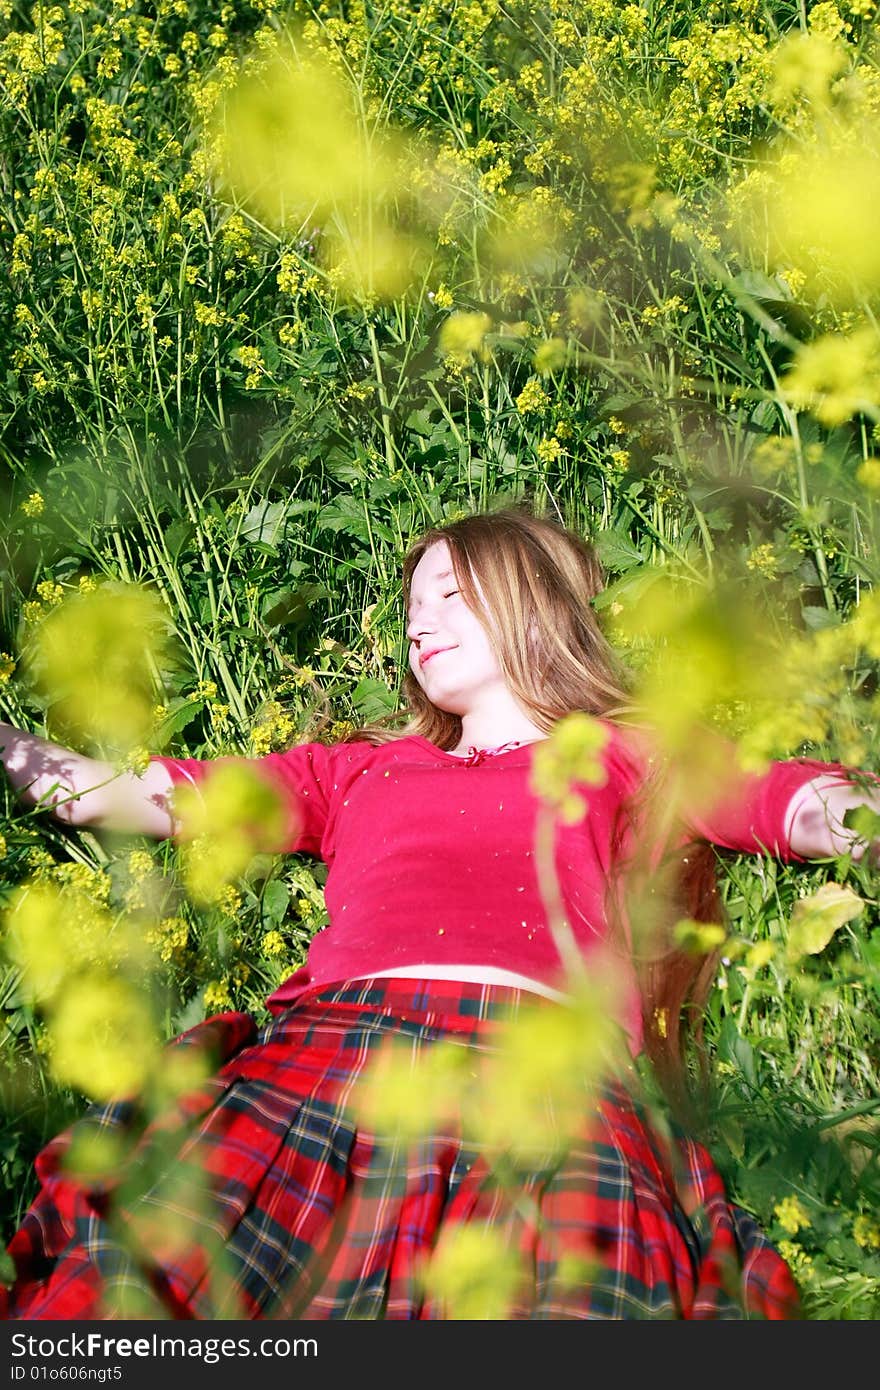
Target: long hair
539	580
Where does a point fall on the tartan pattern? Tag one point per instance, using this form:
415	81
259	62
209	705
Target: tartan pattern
310	1216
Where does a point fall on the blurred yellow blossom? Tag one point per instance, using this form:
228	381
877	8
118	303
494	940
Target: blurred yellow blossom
57	930
836	376
474	1272
813	204
7	668
462	335
805	65
866	1232
571	754
760	954
234	814
550	355
92	660
103	1037
345	172
698	938
868	474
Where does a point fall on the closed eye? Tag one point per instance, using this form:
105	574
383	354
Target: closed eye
451	592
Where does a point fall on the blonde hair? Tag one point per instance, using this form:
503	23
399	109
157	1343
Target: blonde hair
538	581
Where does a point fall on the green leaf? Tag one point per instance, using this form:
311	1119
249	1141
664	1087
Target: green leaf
265	524
180	715
276	898
293	607
617	552
814	920
863	821
372	698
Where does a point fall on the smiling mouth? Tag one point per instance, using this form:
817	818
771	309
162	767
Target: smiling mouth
423	660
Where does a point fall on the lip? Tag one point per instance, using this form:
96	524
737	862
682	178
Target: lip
425	657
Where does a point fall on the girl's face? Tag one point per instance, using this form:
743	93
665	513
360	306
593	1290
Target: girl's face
450	654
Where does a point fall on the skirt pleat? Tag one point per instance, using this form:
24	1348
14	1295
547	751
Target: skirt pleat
260	1194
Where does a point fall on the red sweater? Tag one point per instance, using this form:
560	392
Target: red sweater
432	857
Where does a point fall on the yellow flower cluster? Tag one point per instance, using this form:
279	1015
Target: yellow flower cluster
791	1215
34	505
273	945
274	731
170	938
532	399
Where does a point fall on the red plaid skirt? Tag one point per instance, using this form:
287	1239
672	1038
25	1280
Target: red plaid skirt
259	1194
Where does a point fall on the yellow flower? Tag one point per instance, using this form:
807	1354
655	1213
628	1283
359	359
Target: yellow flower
275	730
170	938
798	1260
836	376
550	355
140	865
229	901
764	559
866	1232
217	996
571	754
208	315
103	1038
34	505
7	666
868	474
50	592
273	944
791	1215
462	335
532	399
442	298
548	450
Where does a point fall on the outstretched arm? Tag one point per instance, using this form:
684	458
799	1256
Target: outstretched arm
86	791
814	818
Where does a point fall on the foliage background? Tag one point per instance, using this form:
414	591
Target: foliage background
574	282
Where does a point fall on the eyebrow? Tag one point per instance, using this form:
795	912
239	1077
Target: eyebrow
447	574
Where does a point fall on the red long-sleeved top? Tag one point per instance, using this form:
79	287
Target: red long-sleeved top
431	856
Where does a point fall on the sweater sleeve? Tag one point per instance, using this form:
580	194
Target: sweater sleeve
749	813
736	810
301	776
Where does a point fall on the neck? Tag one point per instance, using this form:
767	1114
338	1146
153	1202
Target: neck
483	731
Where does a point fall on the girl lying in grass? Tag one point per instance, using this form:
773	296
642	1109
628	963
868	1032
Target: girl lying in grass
453	921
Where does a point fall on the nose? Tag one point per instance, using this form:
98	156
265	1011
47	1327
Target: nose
421	624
